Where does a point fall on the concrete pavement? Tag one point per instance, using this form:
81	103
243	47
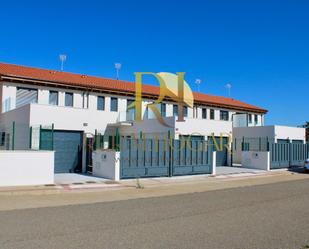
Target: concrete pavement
126	190
266	216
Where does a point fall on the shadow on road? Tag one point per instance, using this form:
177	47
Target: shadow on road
298	169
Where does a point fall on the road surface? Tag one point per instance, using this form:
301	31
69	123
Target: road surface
265	216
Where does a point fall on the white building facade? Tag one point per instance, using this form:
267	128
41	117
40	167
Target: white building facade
79	106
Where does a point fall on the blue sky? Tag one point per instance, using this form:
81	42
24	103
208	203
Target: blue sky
260	47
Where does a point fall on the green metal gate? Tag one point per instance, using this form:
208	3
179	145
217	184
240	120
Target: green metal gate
284	155
154	158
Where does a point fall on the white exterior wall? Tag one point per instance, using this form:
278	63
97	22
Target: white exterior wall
291	133
9	101
106	164
77	100
20	168
272	132
256	160
204	127
43	96
76	119
21	117
8	97
252	132
149	127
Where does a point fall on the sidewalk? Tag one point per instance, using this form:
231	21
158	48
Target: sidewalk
49	196
79	182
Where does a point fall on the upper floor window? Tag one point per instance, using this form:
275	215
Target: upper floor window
26	96
256	119
69	99
131	111
175	110
212	114
53	97
114	104
224	115
204	113
101	103
130	102
250	118
185	111
163	109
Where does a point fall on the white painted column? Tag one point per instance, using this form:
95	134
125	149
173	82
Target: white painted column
214	163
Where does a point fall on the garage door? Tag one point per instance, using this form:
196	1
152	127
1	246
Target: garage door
68	151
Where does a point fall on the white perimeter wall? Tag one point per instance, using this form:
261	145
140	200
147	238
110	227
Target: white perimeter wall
106	164
21	168
256	160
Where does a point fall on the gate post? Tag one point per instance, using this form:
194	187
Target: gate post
213	156
171	154
13	136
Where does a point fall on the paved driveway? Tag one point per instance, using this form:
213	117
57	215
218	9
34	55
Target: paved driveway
226	170
73	178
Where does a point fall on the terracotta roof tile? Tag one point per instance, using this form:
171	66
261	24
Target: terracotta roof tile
80	80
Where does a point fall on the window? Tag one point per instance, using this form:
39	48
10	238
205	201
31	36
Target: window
185	111
129	102
212	114
175	110
163	109
101	103
131	111
256	119
204	113
114	104
68	99
224	115
53	98
250	118
26	96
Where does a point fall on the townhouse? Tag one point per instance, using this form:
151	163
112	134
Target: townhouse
77	106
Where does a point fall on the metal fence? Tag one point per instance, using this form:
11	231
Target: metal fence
256	143
153	157
21	136
283	155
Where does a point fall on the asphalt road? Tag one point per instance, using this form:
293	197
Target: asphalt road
267	216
